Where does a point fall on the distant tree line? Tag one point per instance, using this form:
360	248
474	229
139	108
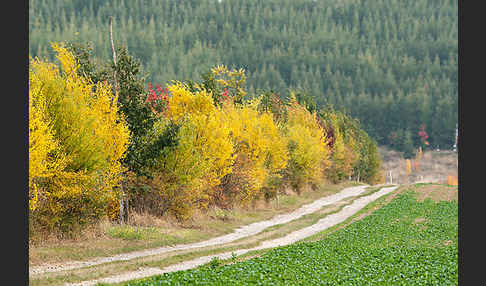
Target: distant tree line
390	63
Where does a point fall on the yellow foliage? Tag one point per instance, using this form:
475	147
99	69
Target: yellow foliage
204	153
209	140
231	79
408	166
41	143
452	180
96	105
76	137
182	102
256	136
343	155
211	137
204	124
353	149
309	153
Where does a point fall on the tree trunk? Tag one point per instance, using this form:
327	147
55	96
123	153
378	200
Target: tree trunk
123	208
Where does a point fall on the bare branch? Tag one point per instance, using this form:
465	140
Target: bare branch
114	52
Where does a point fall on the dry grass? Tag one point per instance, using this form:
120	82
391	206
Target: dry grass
147	219
165	259
419	220
434	166
436	192
145	231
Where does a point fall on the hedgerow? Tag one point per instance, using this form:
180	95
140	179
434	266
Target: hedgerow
95	138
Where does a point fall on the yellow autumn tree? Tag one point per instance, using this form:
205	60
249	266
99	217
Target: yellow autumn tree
76	127
260	147
183	102
217	144
309	154
189	171
43	163
343	152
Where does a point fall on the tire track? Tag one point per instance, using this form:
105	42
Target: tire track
293	237
242	232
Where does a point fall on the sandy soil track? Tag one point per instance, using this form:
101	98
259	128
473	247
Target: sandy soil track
241	232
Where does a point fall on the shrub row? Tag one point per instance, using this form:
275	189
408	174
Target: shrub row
97	136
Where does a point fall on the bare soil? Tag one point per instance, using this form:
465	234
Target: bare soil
436	192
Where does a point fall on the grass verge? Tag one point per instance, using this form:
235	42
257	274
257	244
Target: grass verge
166	259
111	239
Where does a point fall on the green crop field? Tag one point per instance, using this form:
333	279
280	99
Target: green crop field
406	242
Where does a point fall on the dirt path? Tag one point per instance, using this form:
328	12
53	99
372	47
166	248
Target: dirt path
295	236
239	233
